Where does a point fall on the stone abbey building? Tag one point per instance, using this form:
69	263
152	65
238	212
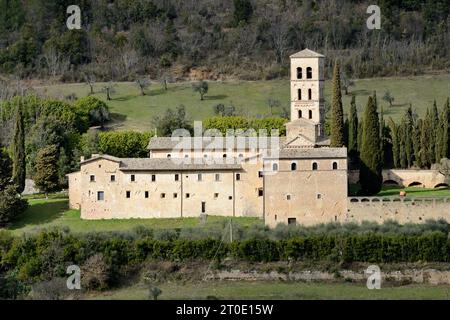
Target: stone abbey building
297	179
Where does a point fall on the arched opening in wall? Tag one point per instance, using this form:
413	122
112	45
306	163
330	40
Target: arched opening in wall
442	185
299	114
309	73
390	183
335	166
293	166
299	94
415	184
310	114
224	155
299	73
314	166
275	167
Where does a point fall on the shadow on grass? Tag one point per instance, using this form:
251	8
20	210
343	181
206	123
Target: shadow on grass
216	97
361	92
125	98
41	213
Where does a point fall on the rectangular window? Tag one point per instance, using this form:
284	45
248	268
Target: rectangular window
153	178
288	197
146	194
203	207
319	196
133	178
100	196
260	192
113	178
187	195
128	194
230	197
260	174
92	178
299	94
216	195
199	177
238	176
163	195
175	195
177	177
217	177
292	221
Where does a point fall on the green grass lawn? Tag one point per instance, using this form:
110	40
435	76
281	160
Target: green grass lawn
411	192
234	290
132	111
55	213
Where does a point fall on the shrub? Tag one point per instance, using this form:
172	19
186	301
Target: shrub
95	273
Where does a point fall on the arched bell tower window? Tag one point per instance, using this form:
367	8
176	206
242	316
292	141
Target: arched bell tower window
293	166
309	73
299	94
275	167
309	94
309	114
314	166
299	114
299	73
335	165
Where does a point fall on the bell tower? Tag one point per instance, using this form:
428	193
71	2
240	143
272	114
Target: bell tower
307	93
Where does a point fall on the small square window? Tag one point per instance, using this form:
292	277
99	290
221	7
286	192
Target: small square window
100	196
133	178
177	177
238	176
92	178
146	194
216	195
187	195
153	178
230	198
288	197
128	194
175	195
260	174
260	192
292	221
163	195
99	165
319	196
113	178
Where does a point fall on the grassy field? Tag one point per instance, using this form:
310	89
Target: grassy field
132	111
234	290
55	213
411	192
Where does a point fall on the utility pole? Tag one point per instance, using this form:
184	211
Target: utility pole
231	230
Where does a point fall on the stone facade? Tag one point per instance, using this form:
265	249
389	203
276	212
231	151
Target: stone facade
297	179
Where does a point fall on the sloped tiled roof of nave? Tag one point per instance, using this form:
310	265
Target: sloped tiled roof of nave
307	54
239	143
164	164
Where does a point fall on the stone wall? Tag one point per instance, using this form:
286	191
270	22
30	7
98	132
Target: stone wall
402	210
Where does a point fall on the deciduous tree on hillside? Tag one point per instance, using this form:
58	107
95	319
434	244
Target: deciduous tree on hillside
46	176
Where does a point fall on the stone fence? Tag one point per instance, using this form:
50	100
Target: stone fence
403	210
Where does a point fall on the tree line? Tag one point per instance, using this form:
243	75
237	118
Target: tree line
128	39
374	144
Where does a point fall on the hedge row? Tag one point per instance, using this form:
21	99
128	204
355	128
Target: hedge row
240	123
31	256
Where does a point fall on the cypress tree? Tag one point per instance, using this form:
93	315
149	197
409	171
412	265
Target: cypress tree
434	134
403	159
360	134
445	131
382	134
19	164
417	143
337	113
395	143
370	157
353	131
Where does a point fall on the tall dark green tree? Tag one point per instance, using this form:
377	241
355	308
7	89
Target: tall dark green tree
353	131
46	176
337	112
395	143
434	134
19	163
370	175
444	138
243	11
